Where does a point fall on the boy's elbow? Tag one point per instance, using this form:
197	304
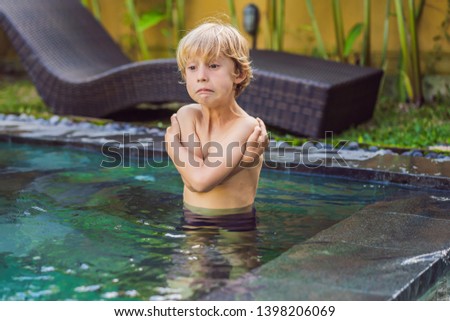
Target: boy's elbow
200	186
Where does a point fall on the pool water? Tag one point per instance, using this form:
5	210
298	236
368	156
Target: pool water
72	230
440	291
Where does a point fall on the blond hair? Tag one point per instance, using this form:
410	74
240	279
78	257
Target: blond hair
212	39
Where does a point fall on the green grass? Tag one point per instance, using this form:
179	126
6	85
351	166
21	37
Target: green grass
20	96
393	125
404	126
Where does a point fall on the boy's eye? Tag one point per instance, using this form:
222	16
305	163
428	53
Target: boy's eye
213	66
191	67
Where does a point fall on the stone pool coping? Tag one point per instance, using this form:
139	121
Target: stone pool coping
394	250
365	165
387	251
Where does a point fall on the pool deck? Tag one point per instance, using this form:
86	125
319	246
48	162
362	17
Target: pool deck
391	250
386	251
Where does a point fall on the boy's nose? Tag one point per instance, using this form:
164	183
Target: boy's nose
202	74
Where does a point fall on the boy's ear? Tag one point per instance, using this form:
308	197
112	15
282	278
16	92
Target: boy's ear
240	77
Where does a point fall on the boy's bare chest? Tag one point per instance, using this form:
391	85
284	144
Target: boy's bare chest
216	142
216	135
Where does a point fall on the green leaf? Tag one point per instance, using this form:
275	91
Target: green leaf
150	19
351	38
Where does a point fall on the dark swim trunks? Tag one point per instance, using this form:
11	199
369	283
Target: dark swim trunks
233	219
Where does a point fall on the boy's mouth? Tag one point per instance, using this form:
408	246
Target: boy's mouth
204	90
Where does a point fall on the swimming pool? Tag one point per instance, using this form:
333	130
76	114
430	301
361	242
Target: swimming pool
72	230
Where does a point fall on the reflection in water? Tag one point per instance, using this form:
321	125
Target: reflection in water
217	248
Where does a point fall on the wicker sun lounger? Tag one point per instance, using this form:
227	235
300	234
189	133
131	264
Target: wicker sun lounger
76	66
78	69
309	96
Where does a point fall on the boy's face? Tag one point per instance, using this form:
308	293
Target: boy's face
211	83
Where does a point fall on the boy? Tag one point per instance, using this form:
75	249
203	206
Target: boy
215	145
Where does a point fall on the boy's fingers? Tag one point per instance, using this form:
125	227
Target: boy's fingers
263	138
173	131
254	135
173	119
262	125
174	125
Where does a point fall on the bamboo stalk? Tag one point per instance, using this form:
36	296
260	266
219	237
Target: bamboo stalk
407	83
171	34
280	24
232	8
96	9
140	36
273	23
320	45
385	36
384	63
365	56
401	85
268	33
175	23
418	98
181	23
339	29
94	6
406	67
418	12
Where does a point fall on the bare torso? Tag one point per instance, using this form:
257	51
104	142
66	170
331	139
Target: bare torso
239	188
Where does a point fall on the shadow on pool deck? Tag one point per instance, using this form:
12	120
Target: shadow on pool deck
393	250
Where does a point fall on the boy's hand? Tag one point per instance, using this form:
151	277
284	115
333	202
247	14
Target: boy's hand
255	146
173	131
258	140
172	137
263	138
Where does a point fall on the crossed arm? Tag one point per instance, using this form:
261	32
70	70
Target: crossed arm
202	175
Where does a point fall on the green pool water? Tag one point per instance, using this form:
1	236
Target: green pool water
71	230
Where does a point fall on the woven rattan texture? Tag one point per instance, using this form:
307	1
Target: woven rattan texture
309	96
75	65
78	69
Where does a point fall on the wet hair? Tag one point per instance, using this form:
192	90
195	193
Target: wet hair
210	40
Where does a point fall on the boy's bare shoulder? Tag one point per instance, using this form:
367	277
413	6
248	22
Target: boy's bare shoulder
248	122
188	116
189	110
245	126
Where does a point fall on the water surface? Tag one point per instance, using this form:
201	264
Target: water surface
72	230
